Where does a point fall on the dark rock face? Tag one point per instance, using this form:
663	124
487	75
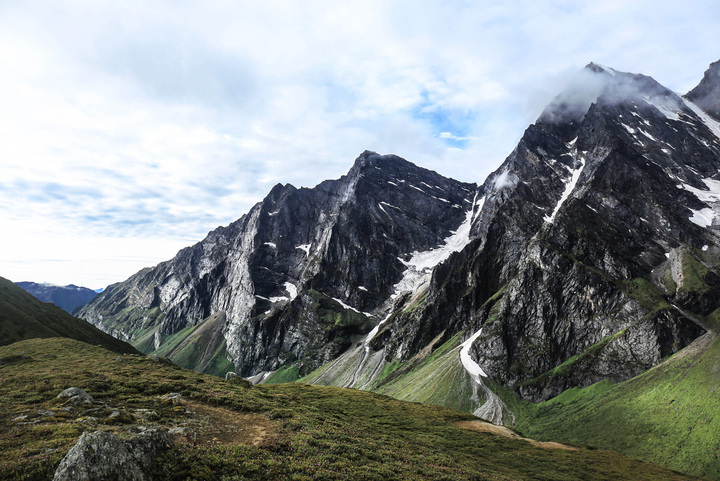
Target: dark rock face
287	272
570	272
68	298
707	94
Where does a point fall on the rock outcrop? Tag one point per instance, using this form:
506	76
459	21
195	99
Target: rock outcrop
75	396
103	456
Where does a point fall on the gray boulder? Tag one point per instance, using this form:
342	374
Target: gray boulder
103	456
230	375
75	396
172	397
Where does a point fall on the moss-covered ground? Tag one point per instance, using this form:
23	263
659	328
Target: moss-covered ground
317	432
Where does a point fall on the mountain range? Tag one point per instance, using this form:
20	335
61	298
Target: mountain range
69	298
590	257
23	316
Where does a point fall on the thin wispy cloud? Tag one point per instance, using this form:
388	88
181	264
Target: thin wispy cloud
150	123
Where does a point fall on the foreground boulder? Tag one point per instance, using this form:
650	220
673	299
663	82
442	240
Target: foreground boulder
103	456
75	396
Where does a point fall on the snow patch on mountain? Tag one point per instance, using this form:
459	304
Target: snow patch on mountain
711	123
420	265
667	110
348	307
705	217
292	290
472	367
569	187
493	409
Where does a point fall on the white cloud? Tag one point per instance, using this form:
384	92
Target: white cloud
154	122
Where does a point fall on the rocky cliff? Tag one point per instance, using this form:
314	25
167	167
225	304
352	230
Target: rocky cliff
591	253
301	274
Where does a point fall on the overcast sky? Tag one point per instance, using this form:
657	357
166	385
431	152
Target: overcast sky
130	129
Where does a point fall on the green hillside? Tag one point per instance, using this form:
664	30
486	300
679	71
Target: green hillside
273	432
669	415
23	316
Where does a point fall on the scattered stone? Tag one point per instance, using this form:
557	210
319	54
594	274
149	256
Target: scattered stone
120	359
173	397
156	358
230	375
45	412
102	455
147	414
136	429
180	434
75	396
22	417
87	419
68	409
120	417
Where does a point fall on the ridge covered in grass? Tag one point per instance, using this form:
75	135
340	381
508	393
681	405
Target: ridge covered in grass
669	415
301	432
24	316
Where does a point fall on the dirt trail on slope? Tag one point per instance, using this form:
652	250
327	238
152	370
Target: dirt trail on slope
217	425
485	427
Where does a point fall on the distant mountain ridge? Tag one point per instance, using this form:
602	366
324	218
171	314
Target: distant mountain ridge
69	298
23	316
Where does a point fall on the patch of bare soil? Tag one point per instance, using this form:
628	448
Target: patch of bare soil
485	427
217	425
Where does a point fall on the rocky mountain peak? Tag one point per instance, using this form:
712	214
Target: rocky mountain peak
707	93
596	84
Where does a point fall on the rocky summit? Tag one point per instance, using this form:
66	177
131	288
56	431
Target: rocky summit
592	253
297	278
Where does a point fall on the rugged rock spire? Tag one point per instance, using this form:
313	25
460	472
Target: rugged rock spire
296	277
707	93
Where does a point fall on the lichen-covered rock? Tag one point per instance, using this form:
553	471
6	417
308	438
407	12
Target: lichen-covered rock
230	375
103	456
172	397
75	396
180	434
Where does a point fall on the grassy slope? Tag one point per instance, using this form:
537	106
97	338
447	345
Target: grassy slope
669	415
23	316
321	432
439	379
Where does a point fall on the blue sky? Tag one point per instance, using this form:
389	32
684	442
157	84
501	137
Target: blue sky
130	129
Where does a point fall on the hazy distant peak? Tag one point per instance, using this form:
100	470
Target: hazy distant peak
707	93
